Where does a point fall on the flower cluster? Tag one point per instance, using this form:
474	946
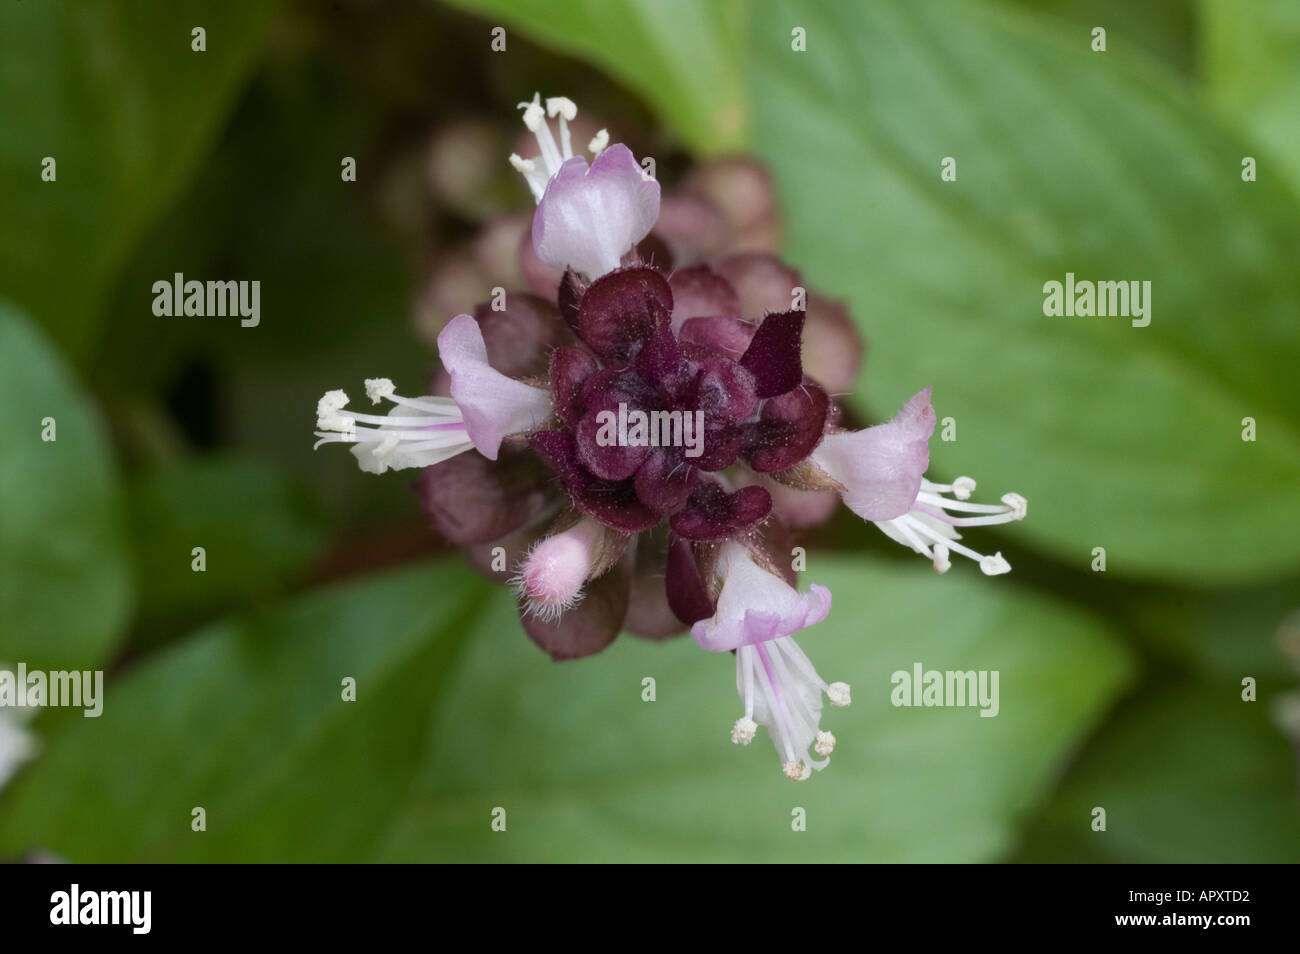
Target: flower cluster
667	308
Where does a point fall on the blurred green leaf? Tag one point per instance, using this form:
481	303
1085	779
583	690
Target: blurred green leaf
1165	29
1252	72
1221	633
285	224
1186	775
246	720
64	580
588	771
1067	161
255	524
683	56
114	94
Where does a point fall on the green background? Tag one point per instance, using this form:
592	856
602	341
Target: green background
1120	690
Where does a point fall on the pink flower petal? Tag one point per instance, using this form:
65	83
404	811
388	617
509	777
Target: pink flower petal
755	607
590	217
881	467
493	405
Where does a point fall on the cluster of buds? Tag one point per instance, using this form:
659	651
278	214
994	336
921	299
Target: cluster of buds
662	309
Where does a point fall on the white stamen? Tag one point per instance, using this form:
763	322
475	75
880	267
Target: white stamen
427	431
599	142
551	155
931	527
781	690
564	108
534	115
537	172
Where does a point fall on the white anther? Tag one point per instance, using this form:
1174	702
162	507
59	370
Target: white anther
963	487
796	771
599	142
377	389
1018	504
941	562
994	565
561	106
742	733
839	694
534	115
328	407
825	743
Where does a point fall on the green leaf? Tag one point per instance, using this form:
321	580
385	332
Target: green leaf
1252	72
286	224
246	720
1220	633
255	525
683	56
588	771
114	94
1187	775
64	578
1067	161
1165	29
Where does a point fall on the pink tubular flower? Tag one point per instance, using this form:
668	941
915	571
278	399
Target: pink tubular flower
551	579
493	405
754	614
879	475
587	218
880	467
484	408
755	605
590	218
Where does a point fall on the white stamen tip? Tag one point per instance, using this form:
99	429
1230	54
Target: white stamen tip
1018	504
534	115
599	142
521	164
742	733
377	389
328	417
941	562
963	487
825	743
994	565
839	694
561	106
796	771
